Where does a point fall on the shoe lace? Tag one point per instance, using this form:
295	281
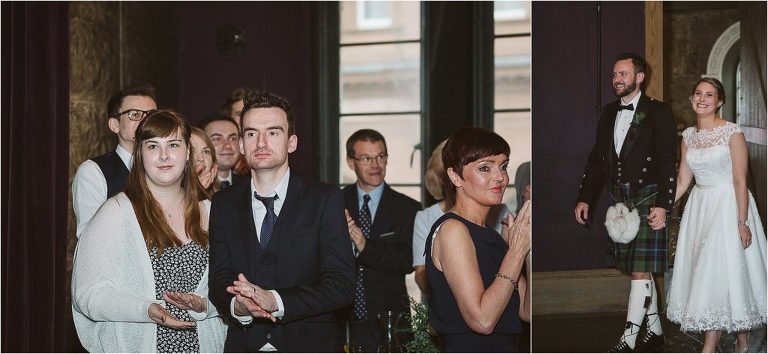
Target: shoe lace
620	347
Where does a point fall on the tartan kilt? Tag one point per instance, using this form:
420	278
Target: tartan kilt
648	251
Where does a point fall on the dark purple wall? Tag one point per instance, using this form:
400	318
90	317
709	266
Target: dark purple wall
277	57
574	45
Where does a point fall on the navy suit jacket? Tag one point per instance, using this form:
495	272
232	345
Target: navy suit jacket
388	255
314	265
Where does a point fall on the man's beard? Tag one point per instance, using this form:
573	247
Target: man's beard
627	89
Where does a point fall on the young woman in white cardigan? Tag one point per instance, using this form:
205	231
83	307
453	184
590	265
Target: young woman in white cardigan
140	277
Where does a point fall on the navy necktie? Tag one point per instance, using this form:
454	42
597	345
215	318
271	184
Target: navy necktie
628	107
224	185
361	311
269	219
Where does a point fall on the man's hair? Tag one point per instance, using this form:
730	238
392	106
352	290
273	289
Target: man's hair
266	99
364	135
637	61
234	96
215	117
113	106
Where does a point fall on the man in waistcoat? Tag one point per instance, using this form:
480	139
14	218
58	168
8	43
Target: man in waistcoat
280	258
105	176
634	156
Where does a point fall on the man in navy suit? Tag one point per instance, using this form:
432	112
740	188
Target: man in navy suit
280	259
381	230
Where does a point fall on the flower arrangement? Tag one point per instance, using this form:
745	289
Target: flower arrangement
422	341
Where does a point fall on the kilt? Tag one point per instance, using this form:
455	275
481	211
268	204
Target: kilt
648	251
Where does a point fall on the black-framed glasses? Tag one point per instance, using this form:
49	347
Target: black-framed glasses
135	114
367	160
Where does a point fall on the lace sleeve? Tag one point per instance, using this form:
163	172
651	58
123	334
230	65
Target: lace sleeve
688	135
729	130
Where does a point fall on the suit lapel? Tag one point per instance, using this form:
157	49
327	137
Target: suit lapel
247	223
382	211
611	118
282	234
351	202
630	139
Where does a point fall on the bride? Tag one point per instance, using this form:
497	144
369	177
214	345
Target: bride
719	281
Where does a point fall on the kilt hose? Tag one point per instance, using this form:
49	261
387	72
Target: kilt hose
648	251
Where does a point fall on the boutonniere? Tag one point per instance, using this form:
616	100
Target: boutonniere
639	117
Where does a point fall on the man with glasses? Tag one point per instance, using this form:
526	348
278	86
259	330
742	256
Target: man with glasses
105	176
380	222
223	131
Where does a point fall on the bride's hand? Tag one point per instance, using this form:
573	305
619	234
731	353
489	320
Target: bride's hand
746	235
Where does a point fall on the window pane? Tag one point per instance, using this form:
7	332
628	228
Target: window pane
402	132
411	191
512	72
377	21
380	78
515	128
512	17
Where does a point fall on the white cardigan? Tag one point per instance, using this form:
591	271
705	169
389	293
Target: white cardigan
113	285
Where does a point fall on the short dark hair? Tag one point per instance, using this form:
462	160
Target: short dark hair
215	117
113	106
266	99
637	61
470	144
714	82
364	135
234	96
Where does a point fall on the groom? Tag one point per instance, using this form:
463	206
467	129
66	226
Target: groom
634	156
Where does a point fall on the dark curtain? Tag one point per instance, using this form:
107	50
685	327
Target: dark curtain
35	157
753	66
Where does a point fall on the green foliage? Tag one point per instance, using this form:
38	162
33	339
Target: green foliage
422	341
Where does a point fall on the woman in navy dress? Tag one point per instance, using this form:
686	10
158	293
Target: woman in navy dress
479	294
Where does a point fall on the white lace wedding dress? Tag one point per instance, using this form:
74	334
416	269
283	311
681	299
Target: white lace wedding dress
716	283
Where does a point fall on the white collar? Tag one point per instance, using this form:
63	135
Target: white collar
125	156
280	190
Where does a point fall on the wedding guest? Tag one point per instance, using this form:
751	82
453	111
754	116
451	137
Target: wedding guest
478	293
436	181
140	277
205	162
719	280
225	135
102	177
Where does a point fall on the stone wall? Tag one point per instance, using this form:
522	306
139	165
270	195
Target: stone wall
113	45
689	34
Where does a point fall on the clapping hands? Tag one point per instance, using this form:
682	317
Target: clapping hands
517	231
252	300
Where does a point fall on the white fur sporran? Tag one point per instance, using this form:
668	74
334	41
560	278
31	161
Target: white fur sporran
622	224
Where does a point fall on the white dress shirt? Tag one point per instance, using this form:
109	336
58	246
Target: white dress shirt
259	211
89	188
623	122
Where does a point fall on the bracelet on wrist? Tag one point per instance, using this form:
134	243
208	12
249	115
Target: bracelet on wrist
507	278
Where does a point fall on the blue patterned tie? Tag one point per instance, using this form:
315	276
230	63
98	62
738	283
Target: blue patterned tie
224	185
361	311
269	219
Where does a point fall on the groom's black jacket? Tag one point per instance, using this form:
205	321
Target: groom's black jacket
647	156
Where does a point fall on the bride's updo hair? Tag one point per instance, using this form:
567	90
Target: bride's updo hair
718	86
